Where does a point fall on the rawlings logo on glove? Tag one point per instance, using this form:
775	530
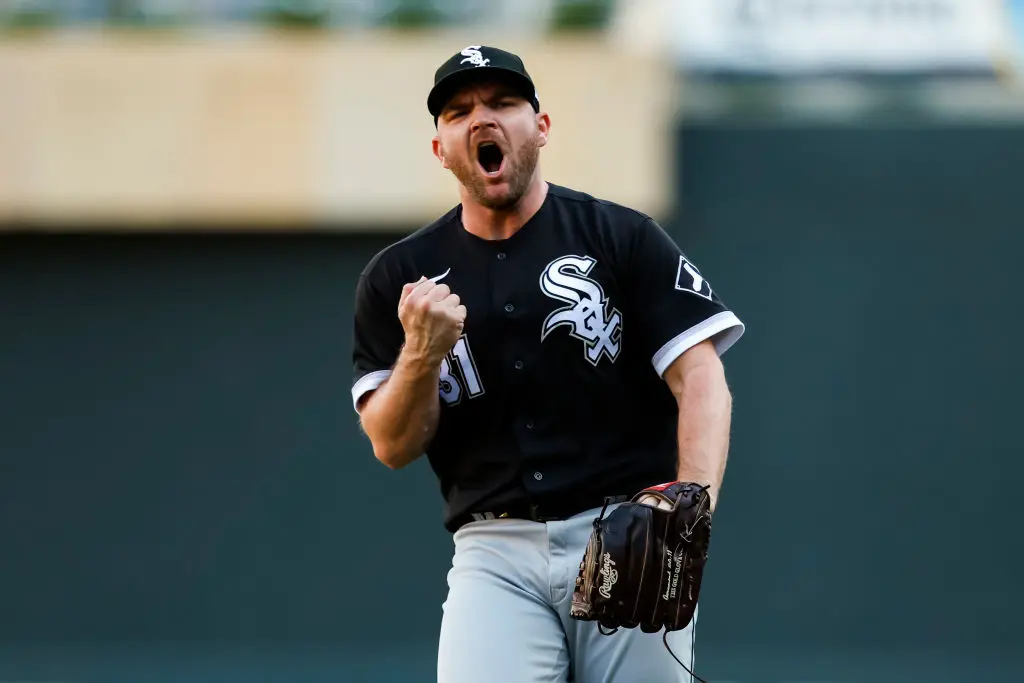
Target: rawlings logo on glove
610	576
645	560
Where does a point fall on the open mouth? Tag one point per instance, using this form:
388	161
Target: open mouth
490	157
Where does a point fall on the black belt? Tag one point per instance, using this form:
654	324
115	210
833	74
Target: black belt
546	511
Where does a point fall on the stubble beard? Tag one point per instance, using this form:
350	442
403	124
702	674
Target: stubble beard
519	170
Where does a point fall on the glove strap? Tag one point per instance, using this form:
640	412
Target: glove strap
664	639
662	487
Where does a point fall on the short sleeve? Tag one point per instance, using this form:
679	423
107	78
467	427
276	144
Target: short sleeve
672	303
376	340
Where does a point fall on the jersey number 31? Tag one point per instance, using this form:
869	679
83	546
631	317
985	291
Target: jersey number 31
459	376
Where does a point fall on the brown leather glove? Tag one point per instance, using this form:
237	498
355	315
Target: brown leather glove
645	560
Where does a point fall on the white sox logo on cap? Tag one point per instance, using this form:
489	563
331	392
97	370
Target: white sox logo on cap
473	55
467	64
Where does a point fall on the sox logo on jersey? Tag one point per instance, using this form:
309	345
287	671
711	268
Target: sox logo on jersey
588	315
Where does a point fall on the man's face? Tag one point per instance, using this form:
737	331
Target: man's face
489	137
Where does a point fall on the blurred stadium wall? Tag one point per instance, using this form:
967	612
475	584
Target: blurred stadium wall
256	128
184	492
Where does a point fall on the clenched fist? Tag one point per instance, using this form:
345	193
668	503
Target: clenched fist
433	319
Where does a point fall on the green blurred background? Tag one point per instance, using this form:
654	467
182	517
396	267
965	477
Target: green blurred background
185	495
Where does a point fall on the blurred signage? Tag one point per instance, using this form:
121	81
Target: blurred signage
138	130
1015	14
808	37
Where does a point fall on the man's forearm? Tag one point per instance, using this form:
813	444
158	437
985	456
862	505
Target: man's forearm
401	416
705	416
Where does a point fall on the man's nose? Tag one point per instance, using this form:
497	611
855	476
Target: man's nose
482	119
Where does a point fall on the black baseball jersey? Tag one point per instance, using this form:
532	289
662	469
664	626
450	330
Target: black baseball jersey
555	387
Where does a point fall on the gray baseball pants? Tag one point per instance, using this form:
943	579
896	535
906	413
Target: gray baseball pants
506	616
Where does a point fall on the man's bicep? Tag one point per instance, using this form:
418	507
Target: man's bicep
361	397
676	306
722	329
376	340
702	357
366	386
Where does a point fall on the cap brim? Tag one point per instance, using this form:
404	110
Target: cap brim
446	88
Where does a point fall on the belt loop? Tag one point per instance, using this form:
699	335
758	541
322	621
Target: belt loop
534	517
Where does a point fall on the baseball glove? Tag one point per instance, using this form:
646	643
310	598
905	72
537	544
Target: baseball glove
645	560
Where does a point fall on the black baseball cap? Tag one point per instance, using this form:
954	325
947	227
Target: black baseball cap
472	63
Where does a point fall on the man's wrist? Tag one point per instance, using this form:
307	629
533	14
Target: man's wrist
418	364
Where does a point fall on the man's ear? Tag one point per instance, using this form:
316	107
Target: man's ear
439	151
543	127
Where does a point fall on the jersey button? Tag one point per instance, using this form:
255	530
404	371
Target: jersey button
518	365
509	308
529	425
538	476
502	256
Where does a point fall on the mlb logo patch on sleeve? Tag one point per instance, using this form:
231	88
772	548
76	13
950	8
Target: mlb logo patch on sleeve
689	279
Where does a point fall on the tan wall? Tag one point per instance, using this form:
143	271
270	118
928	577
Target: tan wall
257	131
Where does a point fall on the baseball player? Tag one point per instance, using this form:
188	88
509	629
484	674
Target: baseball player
551	354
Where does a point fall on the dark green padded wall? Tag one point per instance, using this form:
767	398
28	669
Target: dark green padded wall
873	493
179	453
